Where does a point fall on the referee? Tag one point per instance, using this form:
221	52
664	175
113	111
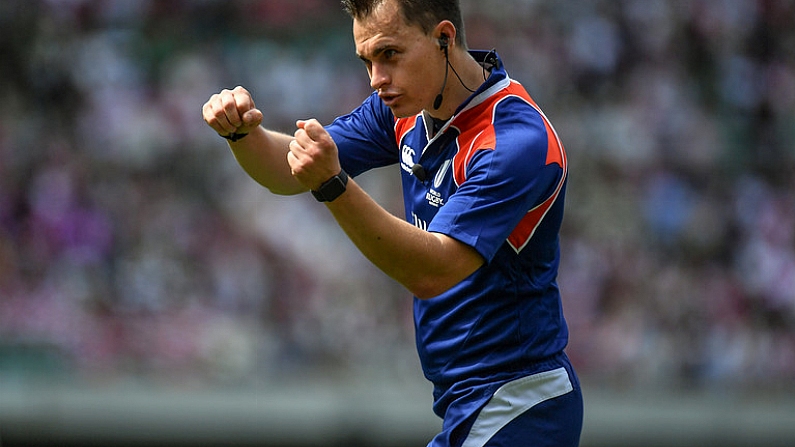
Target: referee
484	180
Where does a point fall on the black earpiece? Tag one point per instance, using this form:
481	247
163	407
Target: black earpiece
444	42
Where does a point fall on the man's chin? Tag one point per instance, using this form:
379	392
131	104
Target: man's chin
404	112
401	108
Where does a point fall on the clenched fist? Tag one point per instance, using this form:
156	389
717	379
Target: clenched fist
232	112
313	156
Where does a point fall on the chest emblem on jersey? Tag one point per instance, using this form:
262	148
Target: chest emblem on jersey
439	178
434	197
407	158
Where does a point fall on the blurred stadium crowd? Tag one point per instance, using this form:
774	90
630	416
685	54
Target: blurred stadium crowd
132	245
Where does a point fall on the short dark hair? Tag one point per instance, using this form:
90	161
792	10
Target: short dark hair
424	13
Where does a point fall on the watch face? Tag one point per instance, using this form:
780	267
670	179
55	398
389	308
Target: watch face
332	189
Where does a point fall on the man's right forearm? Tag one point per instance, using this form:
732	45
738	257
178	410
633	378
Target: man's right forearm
263	155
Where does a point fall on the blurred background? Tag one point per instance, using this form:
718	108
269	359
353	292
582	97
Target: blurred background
151	293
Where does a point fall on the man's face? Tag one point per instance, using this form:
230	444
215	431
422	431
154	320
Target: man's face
405	65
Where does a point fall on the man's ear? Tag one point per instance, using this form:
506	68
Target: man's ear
445	32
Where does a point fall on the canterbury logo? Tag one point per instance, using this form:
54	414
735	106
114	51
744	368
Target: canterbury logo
407	157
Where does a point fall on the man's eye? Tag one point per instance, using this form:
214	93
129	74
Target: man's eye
389	54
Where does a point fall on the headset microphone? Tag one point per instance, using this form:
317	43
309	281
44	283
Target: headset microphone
418	171
444	41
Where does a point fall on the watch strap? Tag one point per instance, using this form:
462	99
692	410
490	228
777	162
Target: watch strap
234	136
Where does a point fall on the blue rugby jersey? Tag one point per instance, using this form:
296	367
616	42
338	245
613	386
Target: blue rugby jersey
496	180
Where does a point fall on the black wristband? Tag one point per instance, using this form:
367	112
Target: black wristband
234	136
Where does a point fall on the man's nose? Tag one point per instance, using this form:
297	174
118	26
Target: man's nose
378	77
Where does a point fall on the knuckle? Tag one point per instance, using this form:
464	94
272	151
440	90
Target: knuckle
228	102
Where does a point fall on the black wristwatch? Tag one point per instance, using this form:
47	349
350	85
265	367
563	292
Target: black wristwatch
331	188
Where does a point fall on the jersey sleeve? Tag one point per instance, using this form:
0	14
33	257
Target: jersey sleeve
365	137
509	182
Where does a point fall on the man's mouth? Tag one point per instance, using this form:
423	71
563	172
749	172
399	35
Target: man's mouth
388	98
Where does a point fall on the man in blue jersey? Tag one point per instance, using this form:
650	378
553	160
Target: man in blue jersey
484	179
